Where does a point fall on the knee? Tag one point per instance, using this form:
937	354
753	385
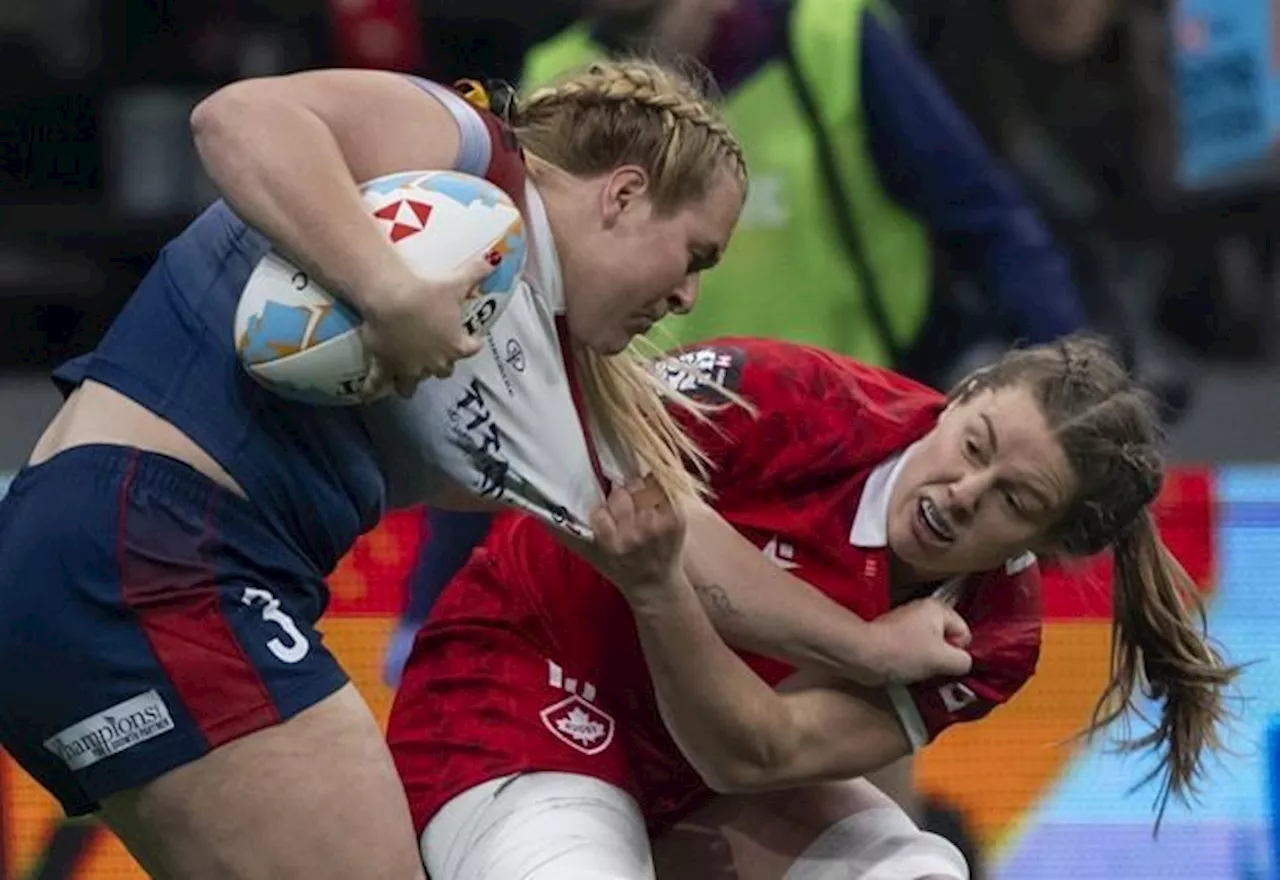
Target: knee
879	844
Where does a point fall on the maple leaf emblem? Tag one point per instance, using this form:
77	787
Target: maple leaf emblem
580	724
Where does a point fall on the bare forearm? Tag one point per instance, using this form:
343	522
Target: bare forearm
726	720
756	606
280	167
819	635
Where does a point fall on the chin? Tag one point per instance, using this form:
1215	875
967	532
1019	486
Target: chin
613	343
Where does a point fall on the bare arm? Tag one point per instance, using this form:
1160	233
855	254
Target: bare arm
756	606
740	734
287	153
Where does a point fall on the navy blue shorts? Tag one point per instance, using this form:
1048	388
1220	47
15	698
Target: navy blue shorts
147	616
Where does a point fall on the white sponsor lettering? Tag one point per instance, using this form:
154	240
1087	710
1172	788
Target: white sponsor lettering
111	731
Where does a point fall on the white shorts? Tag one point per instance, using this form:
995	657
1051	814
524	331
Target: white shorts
538	826
563	826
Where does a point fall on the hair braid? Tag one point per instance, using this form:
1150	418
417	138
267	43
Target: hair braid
632	110
1107	430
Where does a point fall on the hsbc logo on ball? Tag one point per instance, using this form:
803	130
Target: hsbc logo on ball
406	216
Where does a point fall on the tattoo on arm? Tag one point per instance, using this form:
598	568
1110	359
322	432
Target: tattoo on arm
716	600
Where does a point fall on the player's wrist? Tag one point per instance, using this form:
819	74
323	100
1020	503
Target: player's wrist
873	653
389	287
662	596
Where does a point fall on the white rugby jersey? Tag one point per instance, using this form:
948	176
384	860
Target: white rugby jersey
508	424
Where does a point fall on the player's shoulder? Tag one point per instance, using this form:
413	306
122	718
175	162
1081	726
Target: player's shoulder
809	382
488	147
525	549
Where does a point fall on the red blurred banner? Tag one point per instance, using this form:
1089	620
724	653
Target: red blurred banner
380	34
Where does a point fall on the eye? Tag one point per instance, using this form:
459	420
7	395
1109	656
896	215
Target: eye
702	258
972	449
1011	499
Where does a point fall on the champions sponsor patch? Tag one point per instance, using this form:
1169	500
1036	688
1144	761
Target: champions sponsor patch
697	372
111	731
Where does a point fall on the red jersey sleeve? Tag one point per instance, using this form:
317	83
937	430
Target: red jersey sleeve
1002	608
506	160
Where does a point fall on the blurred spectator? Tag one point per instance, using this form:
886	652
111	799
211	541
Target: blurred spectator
868	186
488	38
1076	96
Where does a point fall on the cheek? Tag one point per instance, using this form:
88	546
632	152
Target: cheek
1002	534
661	266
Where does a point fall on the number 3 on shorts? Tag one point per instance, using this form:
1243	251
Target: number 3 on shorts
297	646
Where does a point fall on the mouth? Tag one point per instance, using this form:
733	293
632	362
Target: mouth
641	324
934	522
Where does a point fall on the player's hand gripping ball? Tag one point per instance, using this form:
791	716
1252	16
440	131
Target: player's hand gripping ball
304	343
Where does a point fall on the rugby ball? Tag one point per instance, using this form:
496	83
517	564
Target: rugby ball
303	343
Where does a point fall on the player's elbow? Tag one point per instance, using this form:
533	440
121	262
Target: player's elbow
738	778
220	110
764	764
236	117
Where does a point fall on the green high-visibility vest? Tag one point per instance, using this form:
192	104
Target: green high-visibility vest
787	273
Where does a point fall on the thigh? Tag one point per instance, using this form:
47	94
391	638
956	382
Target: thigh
835	831
315	796
177	682
485	695
539	826
158	619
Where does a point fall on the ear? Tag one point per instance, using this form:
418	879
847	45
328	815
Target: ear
625	188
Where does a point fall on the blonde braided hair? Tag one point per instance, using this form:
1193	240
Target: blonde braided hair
634	111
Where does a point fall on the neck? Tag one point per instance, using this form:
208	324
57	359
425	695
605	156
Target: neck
907	583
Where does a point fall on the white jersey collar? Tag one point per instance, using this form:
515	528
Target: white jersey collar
871	522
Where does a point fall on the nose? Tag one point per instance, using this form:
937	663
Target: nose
966	493
681	300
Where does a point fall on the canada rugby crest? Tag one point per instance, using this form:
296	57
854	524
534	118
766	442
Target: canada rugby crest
579	724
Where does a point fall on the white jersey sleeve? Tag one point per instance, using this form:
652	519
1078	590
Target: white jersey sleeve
475	146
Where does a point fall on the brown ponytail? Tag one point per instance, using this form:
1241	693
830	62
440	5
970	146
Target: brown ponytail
1109	433
1160	649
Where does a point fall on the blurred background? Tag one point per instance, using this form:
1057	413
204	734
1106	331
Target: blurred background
1143	135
